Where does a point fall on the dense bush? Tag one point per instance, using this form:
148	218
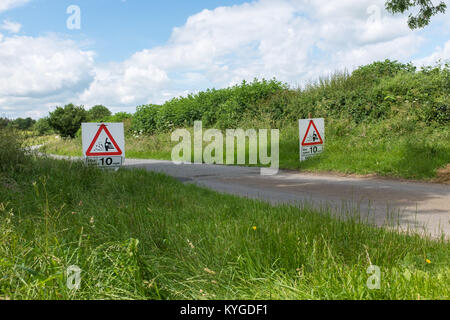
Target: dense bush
21	123
119	117
377	71
42	126
4	122
98	113
67	121
144	120
122	117
371	93
12	155
224	107
376	92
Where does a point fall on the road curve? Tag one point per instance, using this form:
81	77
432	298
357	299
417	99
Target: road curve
422	207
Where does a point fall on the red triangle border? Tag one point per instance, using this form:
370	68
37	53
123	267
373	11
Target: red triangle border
89	152
307	131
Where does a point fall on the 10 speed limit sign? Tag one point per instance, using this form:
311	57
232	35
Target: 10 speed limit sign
312	137
103	144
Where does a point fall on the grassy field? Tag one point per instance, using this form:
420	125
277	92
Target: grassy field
394	148
139	235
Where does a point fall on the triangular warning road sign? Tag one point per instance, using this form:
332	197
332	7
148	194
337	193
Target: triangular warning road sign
312	138
103	144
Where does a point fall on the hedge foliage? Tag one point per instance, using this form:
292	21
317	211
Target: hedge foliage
371	93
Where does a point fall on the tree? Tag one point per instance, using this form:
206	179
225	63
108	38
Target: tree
426	10
379	70
22	124
98	113
42	126
120	117
4	122
67	121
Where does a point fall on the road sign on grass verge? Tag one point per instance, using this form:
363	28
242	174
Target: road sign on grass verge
103	144
312	137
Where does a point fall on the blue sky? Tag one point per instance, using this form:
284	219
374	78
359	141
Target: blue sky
134	52
115	29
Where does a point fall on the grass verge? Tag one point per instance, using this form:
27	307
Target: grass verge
140	235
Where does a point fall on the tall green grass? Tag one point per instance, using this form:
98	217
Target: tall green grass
11	155
139	235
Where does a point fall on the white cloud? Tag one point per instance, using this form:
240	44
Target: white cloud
128	83
442	54
292	40
11	26
40	70
9	4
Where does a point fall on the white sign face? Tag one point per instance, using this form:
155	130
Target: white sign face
103	144
312	137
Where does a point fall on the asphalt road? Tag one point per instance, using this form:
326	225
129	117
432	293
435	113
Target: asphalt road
422	207
415	206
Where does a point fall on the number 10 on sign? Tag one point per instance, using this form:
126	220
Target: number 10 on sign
312	137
